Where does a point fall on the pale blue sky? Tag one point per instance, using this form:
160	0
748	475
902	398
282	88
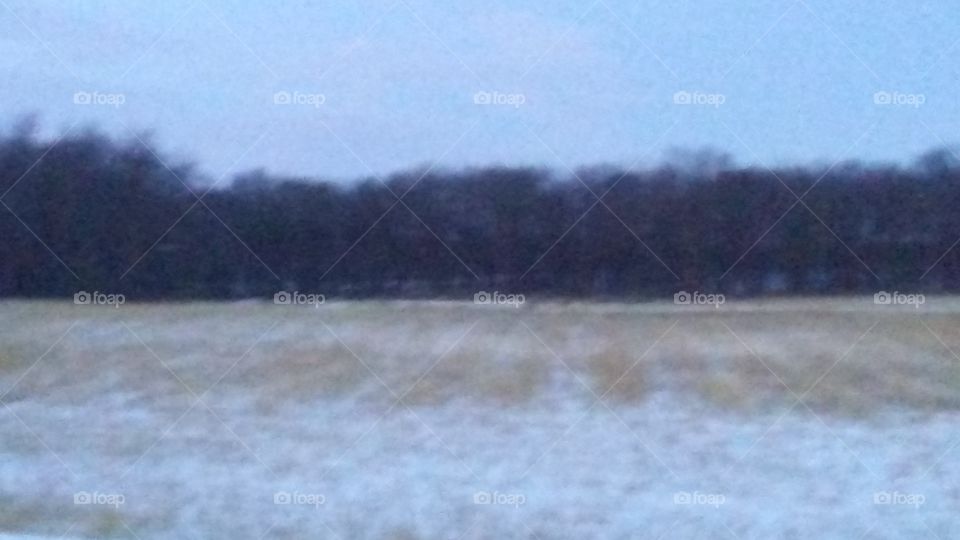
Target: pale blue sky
797	79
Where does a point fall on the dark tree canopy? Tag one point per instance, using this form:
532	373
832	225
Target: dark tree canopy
91	213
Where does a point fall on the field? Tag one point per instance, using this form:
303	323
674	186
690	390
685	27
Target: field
827	418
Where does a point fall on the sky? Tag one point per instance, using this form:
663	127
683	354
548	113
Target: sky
346	89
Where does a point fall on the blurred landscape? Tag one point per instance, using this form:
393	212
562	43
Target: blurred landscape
414	270
695	349
410	419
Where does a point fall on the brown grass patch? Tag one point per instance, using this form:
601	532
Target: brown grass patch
752	355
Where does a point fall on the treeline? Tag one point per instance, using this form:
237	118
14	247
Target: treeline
95	214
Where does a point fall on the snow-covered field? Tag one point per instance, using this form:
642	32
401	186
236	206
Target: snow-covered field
778	419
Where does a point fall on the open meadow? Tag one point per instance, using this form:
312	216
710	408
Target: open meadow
827	418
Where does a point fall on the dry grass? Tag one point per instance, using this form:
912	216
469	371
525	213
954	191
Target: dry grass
841	355
38	517
617	373
473	375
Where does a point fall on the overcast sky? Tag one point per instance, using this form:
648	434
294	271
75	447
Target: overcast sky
338	89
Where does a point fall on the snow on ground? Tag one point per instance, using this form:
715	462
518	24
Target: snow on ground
560	465
664	469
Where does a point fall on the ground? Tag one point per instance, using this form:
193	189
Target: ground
827	418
